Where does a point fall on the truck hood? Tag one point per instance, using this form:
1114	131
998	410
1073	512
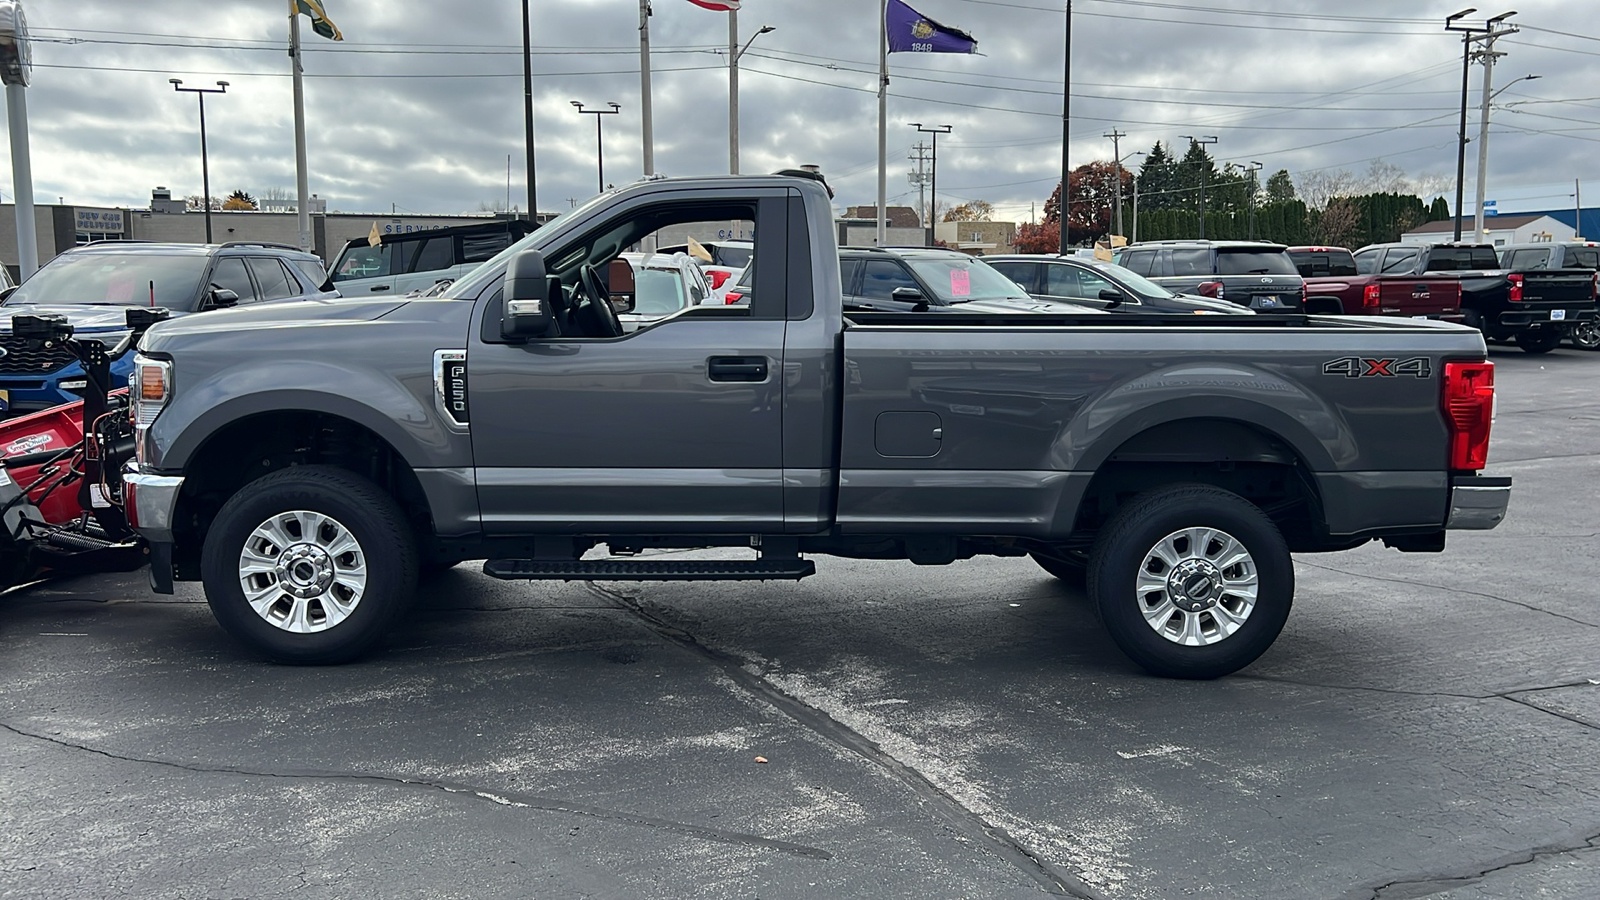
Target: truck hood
1023	305
276	316
84	317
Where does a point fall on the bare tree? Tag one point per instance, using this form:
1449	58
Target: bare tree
1339	224
1320	186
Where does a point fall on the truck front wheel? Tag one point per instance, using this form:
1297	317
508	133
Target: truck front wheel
1191	581
309	565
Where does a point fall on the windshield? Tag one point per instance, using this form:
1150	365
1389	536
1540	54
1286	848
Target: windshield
1254	262
1139	284
1462	259
1333	262
960	279
115	279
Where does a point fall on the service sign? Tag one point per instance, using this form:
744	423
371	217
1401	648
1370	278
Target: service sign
99	221
16	56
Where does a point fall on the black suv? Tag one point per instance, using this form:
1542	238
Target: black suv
1253	274
94	285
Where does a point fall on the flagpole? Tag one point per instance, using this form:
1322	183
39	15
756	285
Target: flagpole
644	87
302	187
883	121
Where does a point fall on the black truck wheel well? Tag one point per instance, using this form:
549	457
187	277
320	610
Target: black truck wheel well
1232	455
260	444
1324	306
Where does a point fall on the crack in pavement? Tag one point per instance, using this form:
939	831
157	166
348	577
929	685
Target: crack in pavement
961	819
511	799
1447	588
1502	462
1560	715
1498	695
1427	885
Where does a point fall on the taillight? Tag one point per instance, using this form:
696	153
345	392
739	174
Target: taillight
1469	411
718	277
1210	289
1304	295
1371	297
1515	296
732	297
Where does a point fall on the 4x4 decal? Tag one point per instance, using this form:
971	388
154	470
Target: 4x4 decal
1361	367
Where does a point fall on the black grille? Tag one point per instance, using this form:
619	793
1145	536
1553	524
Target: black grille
21	359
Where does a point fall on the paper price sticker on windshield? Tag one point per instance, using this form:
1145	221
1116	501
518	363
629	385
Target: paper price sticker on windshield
960	283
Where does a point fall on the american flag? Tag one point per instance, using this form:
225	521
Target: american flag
717	5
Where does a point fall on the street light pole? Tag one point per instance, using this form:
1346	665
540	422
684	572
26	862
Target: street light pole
1255	188
933	187
527	115
1066	122
599	138
734	52
1467	37
205	166
1202	141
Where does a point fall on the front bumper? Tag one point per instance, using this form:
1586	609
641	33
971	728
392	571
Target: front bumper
1478	502
151	502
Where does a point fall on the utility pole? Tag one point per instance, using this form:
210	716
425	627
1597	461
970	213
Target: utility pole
644	90
1469	33
920	179
1116	154
1577	209
1066	122
1487	56
1134	238
1203	142
1255	188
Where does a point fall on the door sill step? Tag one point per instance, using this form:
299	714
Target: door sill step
792	569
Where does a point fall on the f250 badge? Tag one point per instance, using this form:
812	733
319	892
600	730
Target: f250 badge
450	384
1360	367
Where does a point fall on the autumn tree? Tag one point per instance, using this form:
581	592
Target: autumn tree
1093	196
971	211
239	200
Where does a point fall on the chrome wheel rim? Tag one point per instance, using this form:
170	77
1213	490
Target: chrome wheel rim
302	571
1197	586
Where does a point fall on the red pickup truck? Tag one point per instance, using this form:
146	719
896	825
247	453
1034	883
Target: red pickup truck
1334	286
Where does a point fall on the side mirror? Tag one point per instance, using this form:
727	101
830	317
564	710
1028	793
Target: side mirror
527	312
1112	297
906	295
223	298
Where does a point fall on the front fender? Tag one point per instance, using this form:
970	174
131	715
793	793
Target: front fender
1258	398
399	409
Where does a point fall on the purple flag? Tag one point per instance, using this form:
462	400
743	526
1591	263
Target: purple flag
912	32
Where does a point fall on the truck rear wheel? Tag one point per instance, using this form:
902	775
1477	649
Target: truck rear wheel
1191	581
1539	340
1586	335
309	565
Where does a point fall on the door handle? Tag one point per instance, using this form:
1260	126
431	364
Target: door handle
737	368
380	287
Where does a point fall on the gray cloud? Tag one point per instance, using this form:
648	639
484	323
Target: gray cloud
1292	92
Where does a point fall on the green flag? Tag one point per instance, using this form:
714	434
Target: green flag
320	23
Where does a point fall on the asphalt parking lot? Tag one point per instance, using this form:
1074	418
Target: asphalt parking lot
1427	725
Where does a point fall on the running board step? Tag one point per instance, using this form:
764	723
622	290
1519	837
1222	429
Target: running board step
792	569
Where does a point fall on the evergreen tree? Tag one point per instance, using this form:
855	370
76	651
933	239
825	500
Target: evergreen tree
1195	168
1159	186
1280	187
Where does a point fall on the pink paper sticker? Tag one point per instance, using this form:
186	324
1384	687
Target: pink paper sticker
960	282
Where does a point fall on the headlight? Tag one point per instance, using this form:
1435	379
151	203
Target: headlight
151	387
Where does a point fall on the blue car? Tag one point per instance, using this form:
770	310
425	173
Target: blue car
93	286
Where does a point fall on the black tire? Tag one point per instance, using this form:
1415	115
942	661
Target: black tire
385	546
1151	519
1070	568
1539	340
1585	335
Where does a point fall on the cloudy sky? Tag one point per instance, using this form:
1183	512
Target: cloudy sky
421	104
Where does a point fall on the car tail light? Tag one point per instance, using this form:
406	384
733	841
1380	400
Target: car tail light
1304	295
718	277
1210	289
732	297
1371	297
1515	296
1468	412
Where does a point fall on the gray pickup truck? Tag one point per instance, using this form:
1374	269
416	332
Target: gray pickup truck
307	461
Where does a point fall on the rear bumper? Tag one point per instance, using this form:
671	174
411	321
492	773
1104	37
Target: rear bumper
1478	502
1535	318
151	502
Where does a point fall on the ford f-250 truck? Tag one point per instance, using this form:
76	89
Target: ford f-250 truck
306	461
1531	308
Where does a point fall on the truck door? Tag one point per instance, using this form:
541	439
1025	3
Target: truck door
673	428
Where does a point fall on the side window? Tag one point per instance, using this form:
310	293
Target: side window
436	253
275	282
1191	262
1399	262
1091	284
1020	272
364	262
1367	262
313	271
1140	262
881	276
479	247
1062	281
1583	258
848	270
229	275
